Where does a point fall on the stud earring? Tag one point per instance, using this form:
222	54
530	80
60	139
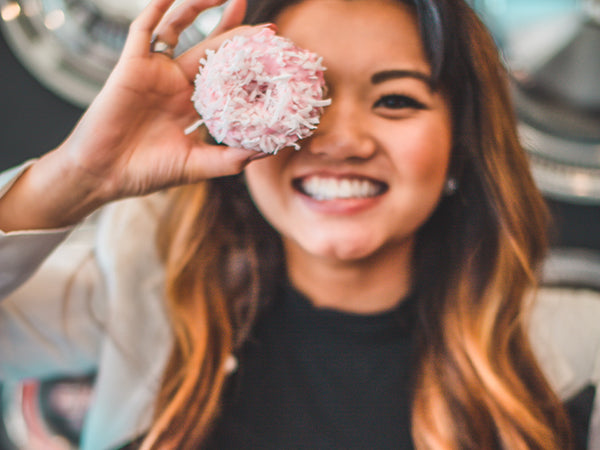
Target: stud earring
451	186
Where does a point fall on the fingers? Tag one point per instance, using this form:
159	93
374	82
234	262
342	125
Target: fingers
188	61
171	26
154	20
211	161
232	17
141	29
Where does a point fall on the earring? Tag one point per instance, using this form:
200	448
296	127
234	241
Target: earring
451	186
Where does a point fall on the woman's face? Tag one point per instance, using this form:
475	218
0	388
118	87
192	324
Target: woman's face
374	170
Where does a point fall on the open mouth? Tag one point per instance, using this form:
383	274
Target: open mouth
324	188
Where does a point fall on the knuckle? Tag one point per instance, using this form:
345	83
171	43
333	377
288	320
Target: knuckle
239	166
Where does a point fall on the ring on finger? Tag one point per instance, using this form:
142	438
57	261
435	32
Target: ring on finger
157	45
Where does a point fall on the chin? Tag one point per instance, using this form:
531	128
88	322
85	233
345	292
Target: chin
342	250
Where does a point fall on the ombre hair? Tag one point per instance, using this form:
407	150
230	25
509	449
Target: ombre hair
477	383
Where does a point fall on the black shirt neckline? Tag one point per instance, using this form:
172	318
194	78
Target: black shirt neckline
301	309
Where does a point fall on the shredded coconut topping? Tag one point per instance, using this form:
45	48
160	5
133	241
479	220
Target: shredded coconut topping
260	92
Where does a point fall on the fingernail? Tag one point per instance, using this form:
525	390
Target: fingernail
260	155
271	26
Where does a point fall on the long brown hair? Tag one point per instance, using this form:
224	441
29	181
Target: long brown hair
477	383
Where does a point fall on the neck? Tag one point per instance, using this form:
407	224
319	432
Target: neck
367	286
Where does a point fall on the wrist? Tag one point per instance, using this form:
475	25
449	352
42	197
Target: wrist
52	193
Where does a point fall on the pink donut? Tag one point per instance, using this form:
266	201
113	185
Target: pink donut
260	92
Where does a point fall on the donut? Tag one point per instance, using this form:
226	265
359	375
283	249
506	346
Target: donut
260	92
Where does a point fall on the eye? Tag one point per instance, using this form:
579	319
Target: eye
397	101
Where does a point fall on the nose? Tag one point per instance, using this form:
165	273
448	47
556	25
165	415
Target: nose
342	133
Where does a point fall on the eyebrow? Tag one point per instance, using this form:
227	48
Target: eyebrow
386	75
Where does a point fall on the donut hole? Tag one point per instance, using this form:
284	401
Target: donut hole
255	90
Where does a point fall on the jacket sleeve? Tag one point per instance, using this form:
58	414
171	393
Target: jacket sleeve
51	311
565	333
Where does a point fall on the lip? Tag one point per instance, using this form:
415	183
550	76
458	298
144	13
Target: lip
339	206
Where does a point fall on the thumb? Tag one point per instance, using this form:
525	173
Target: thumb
211	161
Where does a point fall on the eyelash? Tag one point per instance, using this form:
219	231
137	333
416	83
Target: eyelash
399	102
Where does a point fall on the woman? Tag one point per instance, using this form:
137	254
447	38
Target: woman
410	213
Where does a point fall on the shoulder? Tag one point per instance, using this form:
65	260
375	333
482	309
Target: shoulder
127	231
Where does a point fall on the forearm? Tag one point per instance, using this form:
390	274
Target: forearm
52	193
131	140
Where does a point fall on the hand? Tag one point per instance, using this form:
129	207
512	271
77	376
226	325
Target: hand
131	140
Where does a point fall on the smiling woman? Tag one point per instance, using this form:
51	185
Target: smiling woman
373	171
370	290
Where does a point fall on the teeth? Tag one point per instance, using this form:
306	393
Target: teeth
321	188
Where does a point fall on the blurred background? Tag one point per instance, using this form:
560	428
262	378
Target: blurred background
56	54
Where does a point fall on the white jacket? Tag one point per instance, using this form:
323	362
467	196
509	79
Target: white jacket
91	299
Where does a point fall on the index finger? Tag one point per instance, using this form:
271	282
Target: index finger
141	29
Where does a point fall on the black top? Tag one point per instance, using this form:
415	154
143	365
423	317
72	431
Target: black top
314	378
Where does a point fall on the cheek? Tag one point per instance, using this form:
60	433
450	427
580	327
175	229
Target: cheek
265	172
258	183
256	176
271	168
424	154
264	181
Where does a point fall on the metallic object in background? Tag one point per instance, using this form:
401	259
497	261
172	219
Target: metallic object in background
72	45
555	67
575	268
